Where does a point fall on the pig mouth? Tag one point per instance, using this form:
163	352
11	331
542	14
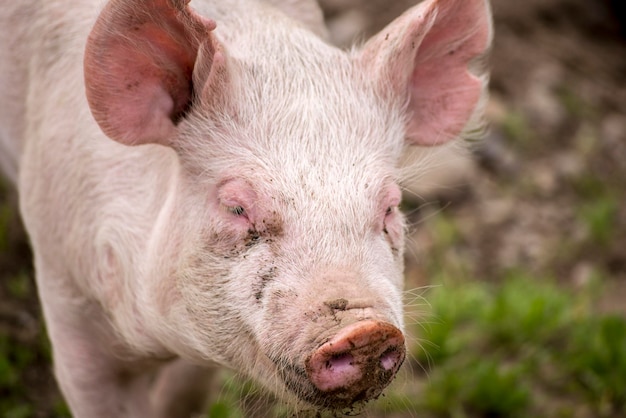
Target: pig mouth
296	380
338	399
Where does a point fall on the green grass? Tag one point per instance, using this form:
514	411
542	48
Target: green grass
575	105
19	286
483	388
496	350
520	132
599	218
14	358
223	410
596	361
6	218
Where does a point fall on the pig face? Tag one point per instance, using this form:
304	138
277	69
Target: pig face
290	268
302	235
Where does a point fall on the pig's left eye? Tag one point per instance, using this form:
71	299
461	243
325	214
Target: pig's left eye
389	218
237	210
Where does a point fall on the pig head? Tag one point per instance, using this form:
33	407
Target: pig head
222	188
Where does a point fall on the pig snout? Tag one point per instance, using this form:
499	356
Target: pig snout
357	363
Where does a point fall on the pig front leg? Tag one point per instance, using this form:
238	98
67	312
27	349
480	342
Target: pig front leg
100	380
98	386
181	389
98	374
94	383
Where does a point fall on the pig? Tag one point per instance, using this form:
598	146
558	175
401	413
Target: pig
214	184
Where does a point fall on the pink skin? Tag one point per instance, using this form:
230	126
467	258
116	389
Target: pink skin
218	186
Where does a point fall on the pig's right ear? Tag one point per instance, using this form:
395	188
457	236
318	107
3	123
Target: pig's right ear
139	67
425	56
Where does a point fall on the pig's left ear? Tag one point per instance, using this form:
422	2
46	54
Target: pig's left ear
426	53
141	62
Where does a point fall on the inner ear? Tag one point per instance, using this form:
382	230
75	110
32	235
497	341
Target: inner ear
139	61
425	55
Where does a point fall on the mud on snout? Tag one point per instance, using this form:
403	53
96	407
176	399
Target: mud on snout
349	368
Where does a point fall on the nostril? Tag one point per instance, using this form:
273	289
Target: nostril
390	358
338	369
340	362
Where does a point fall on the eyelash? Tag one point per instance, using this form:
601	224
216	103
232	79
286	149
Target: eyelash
237	210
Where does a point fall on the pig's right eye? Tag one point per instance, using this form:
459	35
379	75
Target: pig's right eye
236	199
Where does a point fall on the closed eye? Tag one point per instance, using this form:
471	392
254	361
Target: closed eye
236	210
388	218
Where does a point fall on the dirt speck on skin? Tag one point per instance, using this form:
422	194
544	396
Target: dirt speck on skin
263	279
337	304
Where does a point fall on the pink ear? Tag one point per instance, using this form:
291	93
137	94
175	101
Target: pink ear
139	62
426	53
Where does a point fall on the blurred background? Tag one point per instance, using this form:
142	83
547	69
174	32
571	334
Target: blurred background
516	261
